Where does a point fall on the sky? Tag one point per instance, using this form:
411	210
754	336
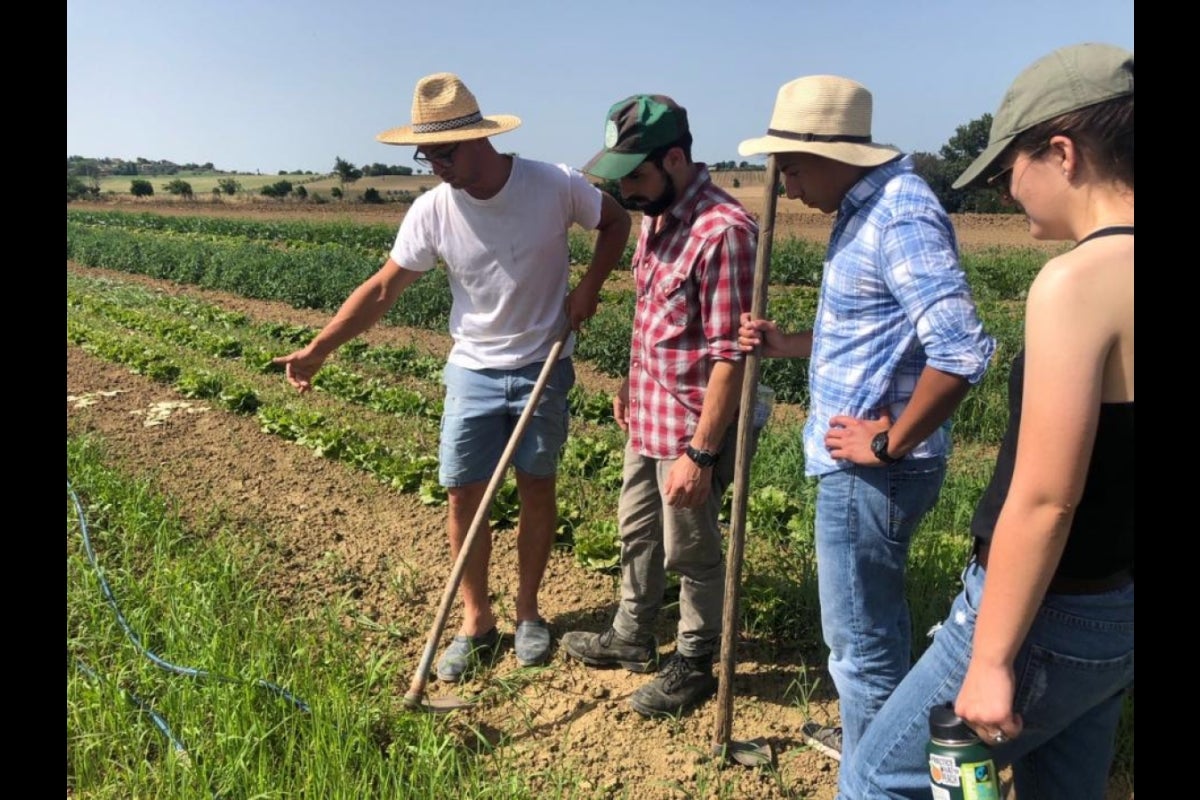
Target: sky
271	85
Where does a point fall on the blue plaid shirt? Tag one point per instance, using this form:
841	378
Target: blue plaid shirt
893	300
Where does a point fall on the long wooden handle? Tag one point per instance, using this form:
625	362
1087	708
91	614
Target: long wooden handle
741	482
416	689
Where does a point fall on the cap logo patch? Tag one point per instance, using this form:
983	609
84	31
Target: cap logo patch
610	133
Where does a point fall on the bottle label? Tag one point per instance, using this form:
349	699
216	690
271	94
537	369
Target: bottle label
943	770
970	780
979	780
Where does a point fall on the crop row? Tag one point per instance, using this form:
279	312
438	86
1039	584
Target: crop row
322	275
996	273
140	328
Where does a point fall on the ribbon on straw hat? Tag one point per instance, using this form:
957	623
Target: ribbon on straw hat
825	115
445	110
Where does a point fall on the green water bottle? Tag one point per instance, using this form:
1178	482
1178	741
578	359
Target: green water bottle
960	766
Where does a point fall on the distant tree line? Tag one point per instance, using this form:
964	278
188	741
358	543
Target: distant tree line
104	167
938	169
728	166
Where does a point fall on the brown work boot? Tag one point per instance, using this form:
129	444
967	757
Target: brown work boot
609	650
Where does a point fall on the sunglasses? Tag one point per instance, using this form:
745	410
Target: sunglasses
1000	179
443	158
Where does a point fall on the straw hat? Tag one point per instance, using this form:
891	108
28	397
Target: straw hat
825	115
1066	80
444	110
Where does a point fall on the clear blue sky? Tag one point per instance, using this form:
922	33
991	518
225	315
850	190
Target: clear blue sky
291	84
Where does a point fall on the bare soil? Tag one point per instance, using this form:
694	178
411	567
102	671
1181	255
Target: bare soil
343	537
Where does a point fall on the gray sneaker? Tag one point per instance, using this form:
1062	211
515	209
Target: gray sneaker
823	739
609	650
465	653
681	685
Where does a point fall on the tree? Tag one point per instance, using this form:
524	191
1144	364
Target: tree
279	189
371	195
140	187
377	169
336	193
180	188
77	188
346	172
229	186
301	192
968	141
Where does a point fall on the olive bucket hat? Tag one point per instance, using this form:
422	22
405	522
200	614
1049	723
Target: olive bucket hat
1066	80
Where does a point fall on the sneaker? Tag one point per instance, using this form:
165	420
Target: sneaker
682	684
532	642
609	650
465	653
824	739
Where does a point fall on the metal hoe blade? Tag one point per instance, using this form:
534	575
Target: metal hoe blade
754	753
437	705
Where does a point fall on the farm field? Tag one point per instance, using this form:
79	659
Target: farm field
793	218
346	540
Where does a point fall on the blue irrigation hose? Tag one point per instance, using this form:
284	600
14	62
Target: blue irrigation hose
144	707
112	601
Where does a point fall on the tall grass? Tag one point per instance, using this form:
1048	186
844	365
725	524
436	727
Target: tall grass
193	696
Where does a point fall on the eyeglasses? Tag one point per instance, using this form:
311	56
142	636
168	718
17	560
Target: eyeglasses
443	158
1000	179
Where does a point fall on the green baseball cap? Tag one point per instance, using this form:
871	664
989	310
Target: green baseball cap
1067	80
636	127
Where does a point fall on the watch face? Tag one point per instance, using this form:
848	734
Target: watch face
879	446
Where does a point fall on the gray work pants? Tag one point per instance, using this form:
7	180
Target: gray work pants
656	537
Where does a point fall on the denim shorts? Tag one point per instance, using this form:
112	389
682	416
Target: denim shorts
481	410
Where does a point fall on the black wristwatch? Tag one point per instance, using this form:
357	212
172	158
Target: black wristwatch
703	458
879	446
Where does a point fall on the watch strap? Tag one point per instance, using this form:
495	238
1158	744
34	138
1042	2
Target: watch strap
703	458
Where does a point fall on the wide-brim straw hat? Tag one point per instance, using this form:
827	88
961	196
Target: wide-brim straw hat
1066	80
825	115
445	110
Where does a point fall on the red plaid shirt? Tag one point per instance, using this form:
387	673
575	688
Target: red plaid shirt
695	276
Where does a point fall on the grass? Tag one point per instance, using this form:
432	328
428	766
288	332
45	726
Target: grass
192	696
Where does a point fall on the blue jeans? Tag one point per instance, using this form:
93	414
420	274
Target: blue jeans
481	410
865	520
1072	673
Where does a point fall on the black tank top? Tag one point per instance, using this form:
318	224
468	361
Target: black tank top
1100	542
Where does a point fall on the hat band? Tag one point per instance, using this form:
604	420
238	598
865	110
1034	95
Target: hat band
818	137
447	124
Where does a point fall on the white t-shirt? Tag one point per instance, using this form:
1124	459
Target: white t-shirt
506	257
